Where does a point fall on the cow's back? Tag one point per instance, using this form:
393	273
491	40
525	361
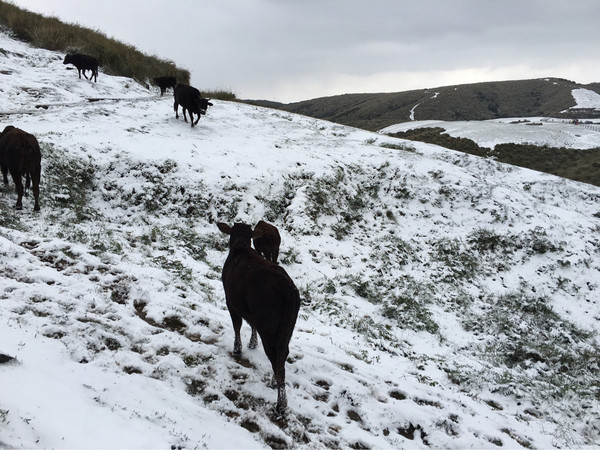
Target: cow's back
261	291
186	96
18	145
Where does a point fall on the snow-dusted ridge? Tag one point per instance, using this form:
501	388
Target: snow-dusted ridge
448	301
536	131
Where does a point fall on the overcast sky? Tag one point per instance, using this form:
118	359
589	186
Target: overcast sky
291	50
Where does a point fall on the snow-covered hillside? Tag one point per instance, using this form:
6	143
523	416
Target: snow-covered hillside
536	131
448	301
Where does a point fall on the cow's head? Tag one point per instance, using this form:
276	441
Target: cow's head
203	104
68	59
7	129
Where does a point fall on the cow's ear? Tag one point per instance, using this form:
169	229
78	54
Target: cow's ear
224	228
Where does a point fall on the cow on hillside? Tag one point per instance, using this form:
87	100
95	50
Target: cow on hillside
164	83
20	154
83	63
191	100
261	293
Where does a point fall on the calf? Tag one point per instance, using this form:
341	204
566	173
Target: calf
83	63
190	99
164	83
266	240
261	293
20	154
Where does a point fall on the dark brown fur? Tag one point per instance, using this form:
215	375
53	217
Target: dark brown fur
83	63
191	101
261	293
164	83
20	154
266	240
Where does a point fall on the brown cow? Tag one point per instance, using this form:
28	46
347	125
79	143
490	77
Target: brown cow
261	293
83	63
164	83
191	101
20	154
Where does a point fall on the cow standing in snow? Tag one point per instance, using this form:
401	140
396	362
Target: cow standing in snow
20	154
191	101
83	63
261	293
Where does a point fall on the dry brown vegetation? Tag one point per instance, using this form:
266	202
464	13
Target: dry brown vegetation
115	58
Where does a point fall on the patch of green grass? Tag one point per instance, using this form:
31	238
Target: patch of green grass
289	256
528	338
176	267
406	147
409	311
9	216
67	183
276	204
364	288
459	262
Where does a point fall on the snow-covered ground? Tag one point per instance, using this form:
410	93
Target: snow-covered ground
536	131
448	301
586	98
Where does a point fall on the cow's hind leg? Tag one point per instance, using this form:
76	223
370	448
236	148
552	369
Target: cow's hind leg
253	339
277	355
16	176
4	173
35	181
279	379
236	320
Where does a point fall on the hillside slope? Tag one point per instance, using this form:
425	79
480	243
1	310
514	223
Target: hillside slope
547	145
448	300
479	101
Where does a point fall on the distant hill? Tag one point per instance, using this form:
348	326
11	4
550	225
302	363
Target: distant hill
479	101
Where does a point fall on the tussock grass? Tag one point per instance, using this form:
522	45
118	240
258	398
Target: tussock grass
220	94
115	58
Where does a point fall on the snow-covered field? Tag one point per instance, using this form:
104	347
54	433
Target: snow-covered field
448	301
536	130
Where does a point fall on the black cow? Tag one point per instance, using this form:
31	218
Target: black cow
20	154
164	83
191	100
83	63
261	293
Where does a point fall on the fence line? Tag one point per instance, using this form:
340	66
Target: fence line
589	126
